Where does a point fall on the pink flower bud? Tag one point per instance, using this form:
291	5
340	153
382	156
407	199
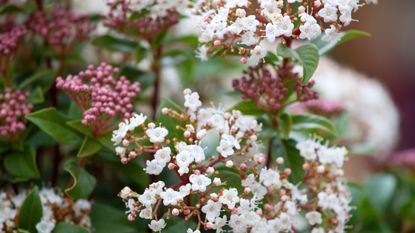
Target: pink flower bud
175	212
244	60
171	166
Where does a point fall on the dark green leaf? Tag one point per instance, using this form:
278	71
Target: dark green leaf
81	128
53	123
69	228
44	79
36	96
82	184
116	223
286	125
89	147
248	107
168	122
312	123
175	225
325	47
293	160
115	44
22	165
31	211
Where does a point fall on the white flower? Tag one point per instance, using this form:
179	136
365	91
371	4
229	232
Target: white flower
196	152
146	213
226	145
314	217
270	177
170	197
50	196
310	30
183	160
318	230
229	197
119	150
249	23
257	54
328	13
331	34
212	210
192	101
148	198
202	53
192	231
219	223
185	190
45	226
235	3
199	182
119	134
157	135
136	121
308	149
154	167
163	155
157	226
284	25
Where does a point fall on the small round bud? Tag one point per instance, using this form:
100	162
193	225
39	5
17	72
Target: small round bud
131	217
306	166
187	134
287	171
214	196
280	160
217	181
229	163
125	142
171	166
175	212
124	160
187	91
165	111
284	198
261	160
210	170
243	166
209	225
244	60
151	125
217	43
247	190
320	169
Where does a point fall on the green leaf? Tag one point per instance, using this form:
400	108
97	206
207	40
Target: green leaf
168	122
343	37
309	58
248	107
115	44
83	183
31	211
54	124
380	189
116	223
175	225
36	96
293	160
69	228
307	55
89	147
22	165
312	123
286	125
81	128
44	79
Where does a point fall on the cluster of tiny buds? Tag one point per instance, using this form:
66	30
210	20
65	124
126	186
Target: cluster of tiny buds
161	17
13	108
10	39
61	28
100	96
261	86
304	91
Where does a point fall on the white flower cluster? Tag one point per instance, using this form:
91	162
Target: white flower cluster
55	208
155	8
331	197
243	24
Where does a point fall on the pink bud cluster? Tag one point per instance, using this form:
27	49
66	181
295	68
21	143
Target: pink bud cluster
13	108
100	96
10	39
147	27
268	90
60	28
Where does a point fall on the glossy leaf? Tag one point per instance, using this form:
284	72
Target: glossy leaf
248	107
69	228
22	165
83	183
89	147
343	37
31	211
309	58
53	123
117	222
81	128
380	189
312	123
293	160
115	44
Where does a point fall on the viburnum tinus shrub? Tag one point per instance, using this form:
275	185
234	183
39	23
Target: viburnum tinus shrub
82	118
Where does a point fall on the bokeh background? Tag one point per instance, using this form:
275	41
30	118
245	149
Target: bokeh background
388	56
